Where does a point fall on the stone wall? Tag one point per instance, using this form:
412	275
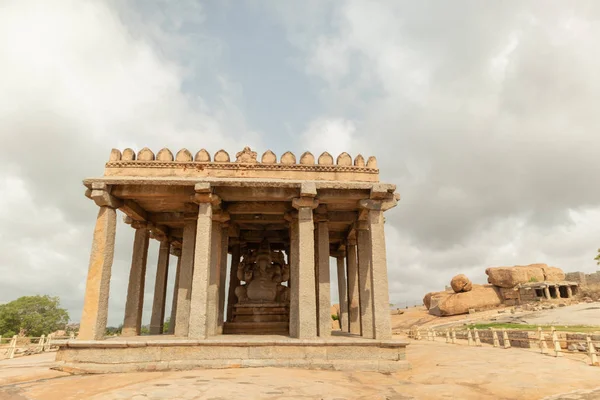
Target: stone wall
584	279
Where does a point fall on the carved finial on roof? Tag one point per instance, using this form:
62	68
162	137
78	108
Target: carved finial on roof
344	159
183	155
307	158
222	156
128	155
325	159
288	158
268	157
372	162
145	154
164	155
246	156
359	161
202	156
115	155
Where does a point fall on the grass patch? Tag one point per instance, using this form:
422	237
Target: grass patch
525	327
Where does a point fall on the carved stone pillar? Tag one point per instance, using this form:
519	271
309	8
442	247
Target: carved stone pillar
160	288
186	269
323	279
569	292
294	274
547	293
353	298
223	276
343	293
172	320
303	276
233	279
95	305
365	280
201	325
134	305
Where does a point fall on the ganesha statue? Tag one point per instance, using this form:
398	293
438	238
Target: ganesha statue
263	273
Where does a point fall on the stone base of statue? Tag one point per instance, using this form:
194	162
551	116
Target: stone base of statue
268	318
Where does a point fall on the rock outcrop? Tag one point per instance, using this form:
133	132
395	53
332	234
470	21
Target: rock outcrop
508	277
460	283
481	296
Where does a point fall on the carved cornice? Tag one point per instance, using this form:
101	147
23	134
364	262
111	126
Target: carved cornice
239	166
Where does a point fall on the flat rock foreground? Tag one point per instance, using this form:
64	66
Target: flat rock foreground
439	371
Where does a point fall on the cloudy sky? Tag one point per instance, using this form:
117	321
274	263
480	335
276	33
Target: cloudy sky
484	114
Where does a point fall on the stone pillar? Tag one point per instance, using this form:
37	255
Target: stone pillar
224	247
172	320
365	280
323	285
557	288
212	311
353	298
294	275
200	321
303	278
233	279
569	292
202	263
160	288
547	293
134	305
380	292
186	269
343	293
95	304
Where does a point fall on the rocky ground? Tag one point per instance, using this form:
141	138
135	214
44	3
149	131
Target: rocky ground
440	371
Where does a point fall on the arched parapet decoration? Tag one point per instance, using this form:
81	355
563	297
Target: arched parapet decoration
128	155
325	159
183	155
372	162
202	156
288	158
115	155
222	156
164	155
145	154
268	157
307	158
359	161
344	159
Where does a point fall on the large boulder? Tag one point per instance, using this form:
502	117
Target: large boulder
508	277
460	283
427	299
481	296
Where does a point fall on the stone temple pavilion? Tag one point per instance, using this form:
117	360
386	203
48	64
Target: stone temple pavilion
279	221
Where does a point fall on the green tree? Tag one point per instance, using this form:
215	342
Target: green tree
36	315
598	257
166	325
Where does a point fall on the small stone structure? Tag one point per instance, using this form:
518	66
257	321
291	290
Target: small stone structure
507	286
281	221
583	279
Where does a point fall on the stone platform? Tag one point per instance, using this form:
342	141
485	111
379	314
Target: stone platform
160	353
259	319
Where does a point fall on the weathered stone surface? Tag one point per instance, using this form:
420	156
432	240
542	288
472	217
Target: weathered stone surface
508	277
353	301
288	158
359	161
164	155
128	155
344	159
482	296
202	156
246	156
115	155
372	162
460	283
428	297
307	158
268	157
145	154
222	156
325	159
183	155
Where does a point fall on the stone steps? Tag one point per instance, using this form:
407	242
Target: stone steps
256	328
